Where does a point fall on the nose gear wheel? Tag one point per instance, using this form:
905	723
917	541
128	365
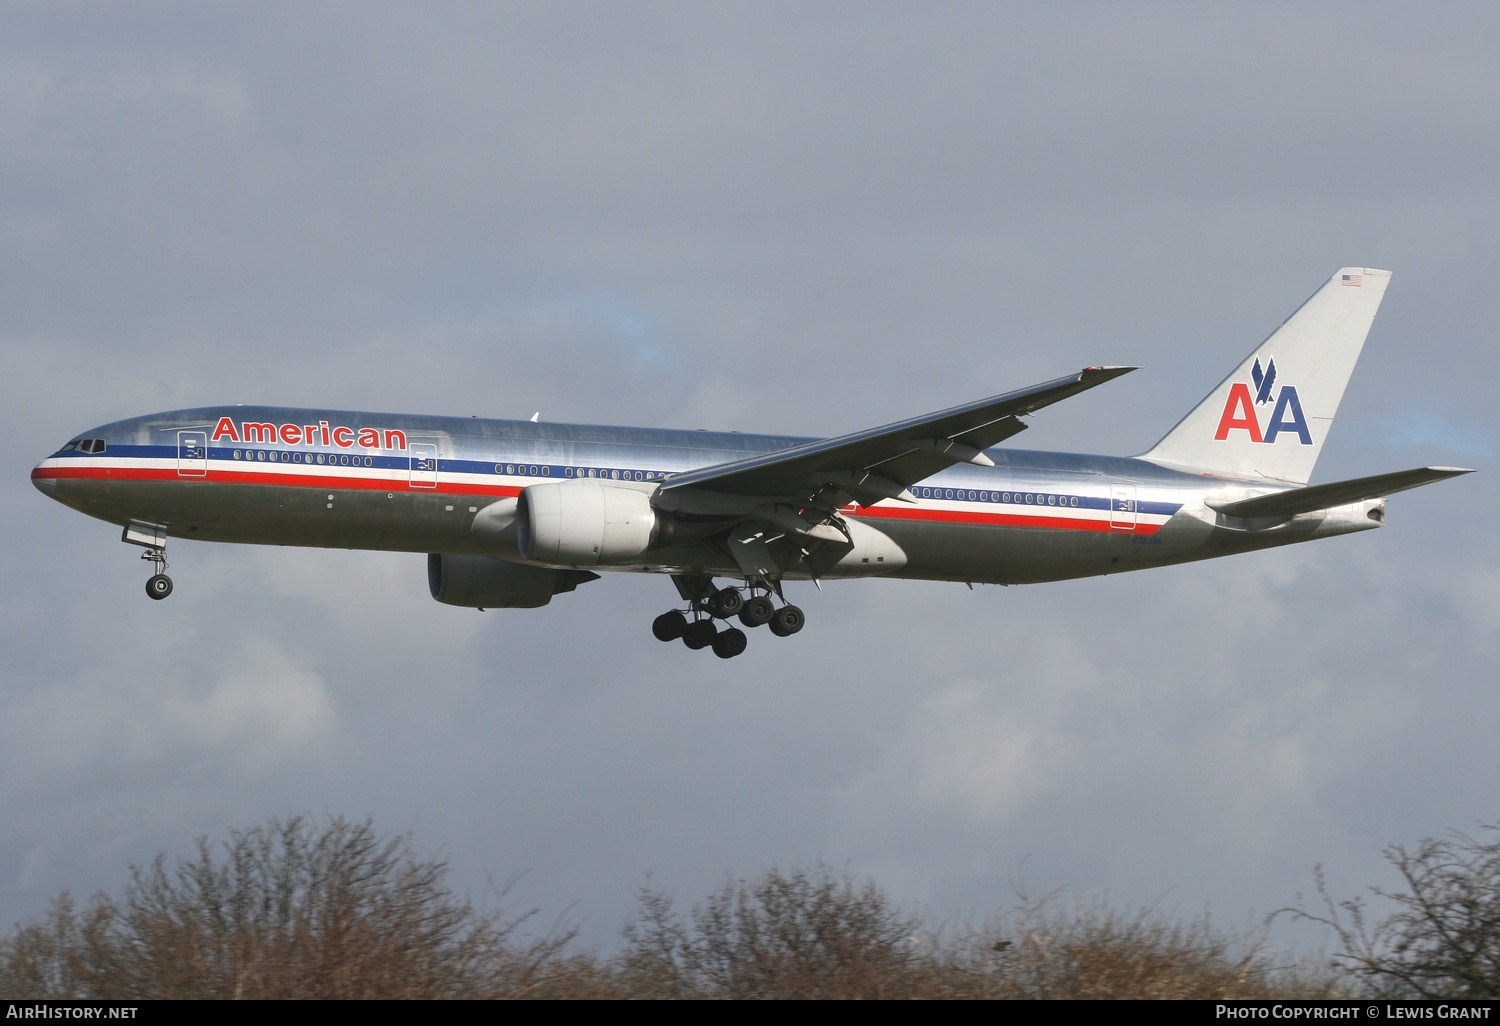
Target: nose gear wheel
159	585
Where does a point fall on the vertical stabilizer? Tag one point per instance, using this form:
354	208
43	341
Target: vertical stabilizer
1270	417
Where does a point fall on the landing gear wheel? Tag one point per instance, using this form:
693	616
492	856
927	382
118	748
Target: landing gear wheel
726	602
159	586
669	626
699	634
757	611
787	621
730	643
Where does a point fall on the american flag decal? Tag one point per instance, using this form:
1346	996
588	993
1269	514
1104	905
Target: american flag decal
1353	281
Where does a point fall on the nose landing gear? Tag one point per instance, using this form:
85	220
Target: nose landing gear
153	538
159	585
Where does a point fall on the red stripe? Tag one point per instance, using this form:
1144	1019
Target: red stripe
950	516
257	477
265	478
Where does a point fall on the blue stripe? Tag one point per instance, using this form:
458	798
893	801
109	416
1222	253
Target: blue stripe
556	471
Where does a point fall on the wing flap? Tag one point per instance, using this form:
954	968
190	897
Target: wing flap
1339	493
902	453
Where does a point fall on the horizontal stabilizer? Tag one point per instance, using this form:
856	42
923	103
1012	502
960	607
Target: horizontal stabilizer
1340	493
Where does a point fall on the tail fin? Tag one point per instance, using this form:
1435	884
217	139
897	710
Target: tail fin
1269	418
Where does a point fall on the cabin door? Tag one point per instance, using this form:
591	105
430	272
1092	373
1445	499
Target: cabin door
1122	507
423	465
192	454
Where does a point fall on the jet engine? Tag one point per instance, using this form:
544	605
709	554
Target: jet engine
587	523
485	583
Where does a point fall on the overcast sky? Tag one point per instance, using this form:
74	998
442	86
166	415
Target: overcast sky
805	218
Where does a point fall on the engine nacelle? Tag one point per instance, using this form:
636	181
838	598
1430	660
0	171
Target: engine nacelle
480	582
587	523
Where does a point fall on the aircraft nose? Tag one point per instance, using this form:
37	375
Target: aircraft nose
44	484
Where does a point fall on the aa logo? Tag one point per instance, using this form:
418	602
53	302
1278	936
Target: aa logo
1240	408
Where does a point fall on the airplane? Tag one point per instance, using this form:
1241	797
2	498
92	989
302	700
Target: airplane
513	513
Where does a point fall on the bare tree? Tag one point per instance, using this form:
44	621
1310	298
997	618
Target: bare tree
785	935
1048	949
57	956
1443	940
286	910
297	909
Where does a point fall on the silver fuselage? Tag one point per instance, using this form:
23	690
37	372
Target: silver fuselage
341	479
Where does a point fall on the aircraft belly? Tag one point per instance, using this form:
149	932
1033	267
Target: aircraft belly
403	521
407	520
1026	555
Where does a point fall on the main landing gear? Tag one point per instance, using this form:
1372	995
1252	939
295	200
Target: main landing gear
752	607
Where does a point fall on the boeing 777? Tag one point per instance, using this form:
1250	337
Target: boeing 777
513	513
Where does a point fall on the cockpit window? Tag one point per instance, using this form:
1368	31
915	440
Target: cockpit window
71	445
89	445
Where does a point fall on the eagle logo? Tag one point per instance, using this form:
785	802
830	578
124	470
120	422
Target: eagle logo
1264	380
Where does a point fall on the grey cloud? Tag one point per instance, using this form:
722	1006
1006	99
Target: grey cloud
764	216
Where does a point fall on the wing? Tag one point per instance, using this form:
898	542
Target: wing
1308	499
883	462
